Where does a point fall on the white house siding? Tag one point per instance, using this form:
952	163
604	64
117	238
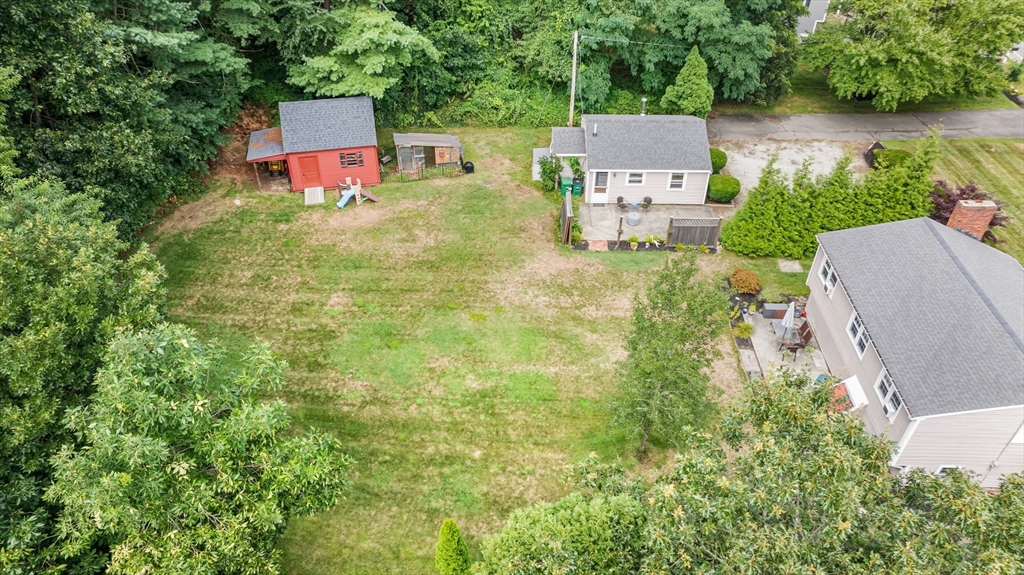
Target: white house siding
656	187
972	440
829	318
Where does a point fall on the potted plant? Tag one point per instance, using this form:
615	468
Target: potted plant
652	240
634	242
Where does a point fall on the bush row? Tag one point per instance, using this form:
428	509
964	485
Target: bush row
780	218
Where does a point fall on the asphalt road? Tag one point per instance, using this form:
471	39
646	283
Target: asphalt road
869	127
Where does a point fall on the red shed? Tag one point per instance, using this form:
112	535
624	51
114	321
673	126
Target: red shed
323	142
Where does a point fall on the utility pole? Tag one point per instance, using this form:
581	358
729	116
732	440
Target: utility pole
572	83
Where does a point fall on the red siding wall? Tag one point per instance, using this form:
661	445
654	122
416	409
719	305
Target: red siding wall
331	171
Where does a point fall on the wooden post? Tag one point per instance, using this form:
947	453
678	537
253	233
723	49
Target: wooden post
618	238
669	232
572	82
256	170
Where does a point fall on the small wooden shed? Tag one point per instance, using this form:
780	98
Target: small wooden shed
418	151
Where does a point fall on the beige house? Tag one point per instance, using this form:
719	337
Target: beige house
924	325
665	158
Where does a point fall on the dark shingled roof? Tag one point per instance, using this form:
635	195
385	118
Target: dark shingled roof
427	140
634	142
264	144
944	311
330	124
568	142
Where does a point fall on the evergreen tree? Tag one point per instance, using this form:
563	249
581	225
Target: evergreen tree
692	93
451	555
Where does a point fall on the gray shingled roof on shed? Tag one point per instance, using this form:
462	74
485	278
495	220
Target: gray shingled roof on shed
427	140
568	142
328	124
264	144
944	311
634	142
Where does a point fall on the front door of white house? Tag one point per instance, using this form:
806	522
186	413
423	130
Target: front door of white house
599	193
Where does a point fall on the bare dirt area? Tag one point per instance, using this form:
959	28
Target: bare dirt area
230	162
747	159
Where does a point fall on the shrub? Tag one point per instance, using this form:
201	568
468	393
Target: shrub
945	197
723	188
888	158
718	160
550	168
743	330
745	281
451	556
633	240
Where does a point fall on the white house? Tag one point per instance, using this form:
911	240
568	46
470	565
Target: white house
665	158
924	324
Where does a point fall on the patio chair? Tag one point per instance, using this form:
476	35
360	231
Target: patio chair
621	202
646	204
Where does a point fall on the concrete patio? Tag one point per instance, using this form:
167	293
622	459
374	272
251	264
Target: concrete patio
767	352
601	221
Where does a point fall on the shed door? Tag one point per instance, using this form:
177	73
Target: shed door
310	169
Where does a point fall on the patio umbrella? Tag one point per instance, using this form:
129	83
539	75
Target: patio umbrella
787	320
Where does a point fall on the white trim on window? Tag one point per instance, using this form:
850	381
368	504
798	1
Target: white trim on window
858	334
943	470
672	180
828	277
629	178
890	397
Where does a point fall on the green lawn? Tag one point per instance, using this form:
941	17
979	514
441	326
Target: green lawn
997	165
811	95
461	356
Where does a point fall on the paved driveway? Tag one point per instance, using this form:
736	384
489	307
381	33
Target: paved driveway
869	127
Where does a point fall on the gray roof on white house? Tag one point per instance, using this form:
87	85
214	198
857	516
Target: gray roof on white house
945	312
568	142
329	124
805	25
634	142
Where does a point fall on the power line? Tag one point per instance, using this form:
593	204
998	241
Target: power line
635	42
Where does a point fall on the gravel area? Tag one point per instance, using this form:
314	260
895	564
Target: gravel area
747	159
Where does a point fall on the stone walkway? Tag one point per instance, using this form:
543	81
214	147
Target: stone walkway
1007	123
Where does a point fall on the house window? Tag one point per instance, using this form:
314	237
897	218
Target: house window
828	276
351	159
676	181
600	179
858	335
944	470
891	401
635	179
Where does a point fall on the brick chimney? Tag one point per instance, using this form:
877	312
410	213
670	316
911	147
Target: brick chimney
972	216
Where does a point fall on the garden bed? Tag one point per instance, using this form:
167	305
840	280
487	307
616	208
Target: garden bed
623	246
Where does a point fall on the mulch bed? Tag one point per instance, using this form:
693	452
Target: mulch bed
623	246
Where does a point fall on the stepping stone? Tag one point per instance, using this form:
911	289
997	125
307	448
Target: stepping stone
790	266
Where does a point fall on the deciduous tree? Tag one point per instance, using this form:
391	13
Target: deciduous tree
805	489
182	469
65	291
896	52
664	381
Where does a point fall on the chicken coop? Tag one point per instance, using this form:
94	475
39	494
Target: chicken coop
417	152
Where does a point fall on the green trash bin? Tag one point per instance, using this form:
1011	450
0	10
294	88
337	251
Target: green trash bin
577	186
565	185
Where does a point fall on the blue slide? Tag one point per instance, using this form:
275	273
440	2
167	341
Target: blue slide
348	195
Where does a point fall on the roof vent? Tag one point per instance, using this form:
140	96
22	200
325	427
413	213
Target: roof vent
595	129
643	106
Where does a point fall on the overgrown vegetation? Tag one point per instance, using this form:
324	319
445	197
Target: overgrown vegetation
945	198
782	218
766	504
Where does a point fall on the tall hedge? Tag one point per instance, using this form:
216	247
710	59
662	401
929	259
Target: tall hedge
781	218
